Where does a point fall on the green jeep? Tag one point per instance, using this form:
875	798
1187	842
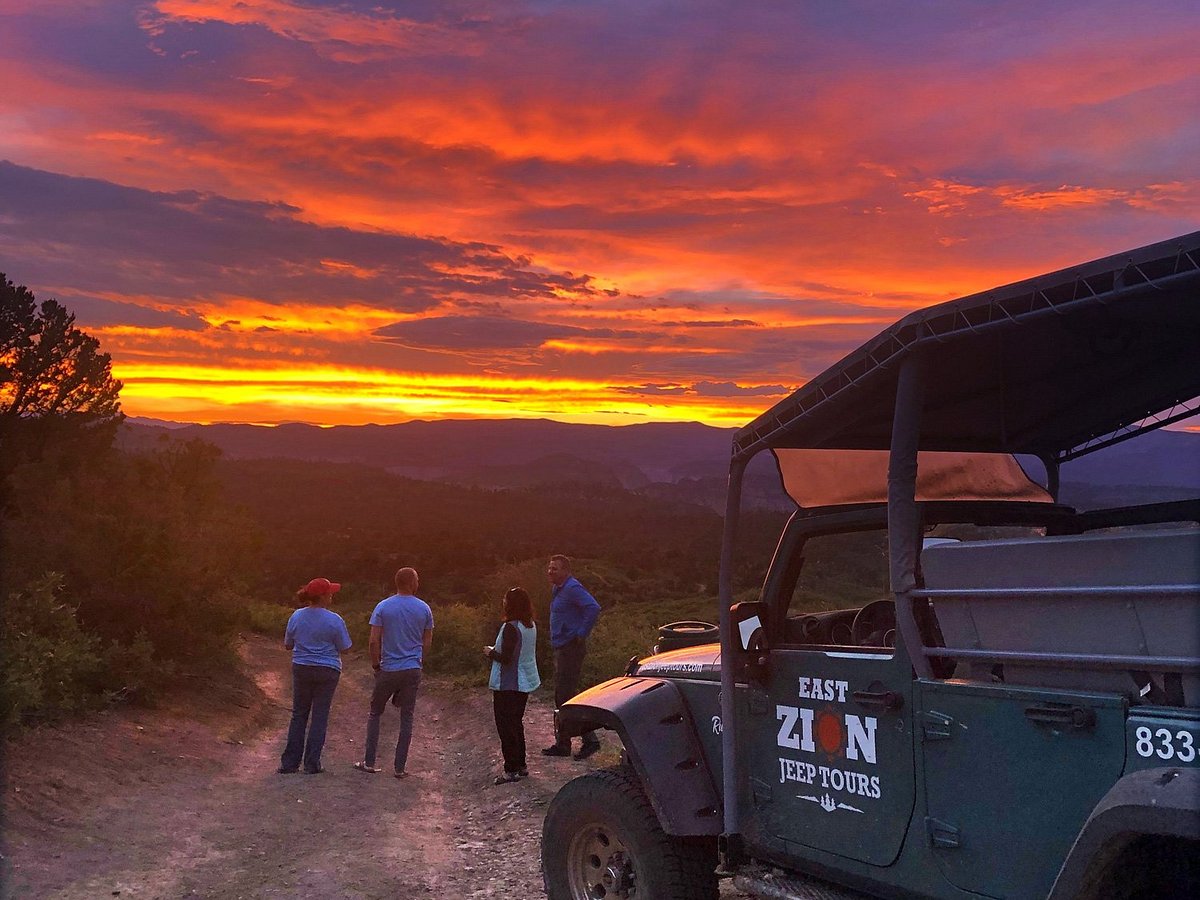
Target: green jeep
1010	706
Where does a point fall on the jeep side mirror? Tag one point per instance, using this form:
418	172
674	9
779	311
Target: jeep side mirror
749	623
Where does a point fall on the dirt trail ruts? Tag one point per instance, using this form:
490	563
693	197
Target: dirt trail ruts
184	801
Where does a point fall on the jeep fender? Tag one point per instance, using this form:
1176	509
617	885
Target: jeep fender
660	741
1163	802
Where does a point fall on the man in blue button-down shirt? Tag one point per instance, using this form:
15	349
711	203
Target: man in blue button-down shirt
573	614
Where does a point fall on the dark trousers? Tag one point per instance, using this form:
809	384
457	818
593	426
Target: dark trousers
401	688
568	666
509	709
312	693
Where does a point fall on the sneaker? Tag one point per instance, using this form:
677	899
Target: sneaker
507	778
313	770
402	774
556	751
586	750
284	770
363	767
523	773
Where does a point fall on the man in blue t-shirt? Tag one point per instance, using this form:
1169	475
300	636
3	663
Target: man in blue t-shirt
401	635
573	614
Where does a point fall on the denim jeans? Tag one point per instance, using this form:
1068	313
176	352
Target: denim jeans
312	692
568	666
401	688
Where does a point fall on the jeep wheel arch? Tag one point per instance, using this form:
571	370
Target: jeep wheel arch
1155	812
660	740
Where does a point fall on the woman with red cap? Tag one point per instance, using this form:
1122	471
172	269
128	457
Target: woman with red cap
317	637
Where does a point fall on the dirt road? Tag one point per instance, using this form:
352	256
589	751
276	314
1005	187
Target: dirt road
184	801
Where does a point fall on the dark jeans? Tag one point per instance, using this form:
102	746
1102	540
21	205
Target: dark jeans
401	688
509	709
568	666
312	692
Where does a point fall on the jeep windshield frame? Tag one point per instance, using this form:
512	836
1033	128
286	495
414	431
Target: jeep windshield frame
1055	366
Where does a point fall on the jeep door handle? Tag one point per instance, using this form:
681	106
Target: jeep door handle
1077	717
878	699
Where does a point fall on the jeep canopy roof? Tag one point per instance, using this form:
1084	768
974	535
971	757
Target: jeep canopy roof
1043	366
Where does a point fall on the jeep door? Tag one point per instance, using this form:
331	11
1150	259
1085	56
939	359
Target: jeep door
1011	774
828	741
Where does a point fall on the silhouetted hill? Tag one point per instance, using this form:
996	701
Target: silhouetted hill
511	453
451	449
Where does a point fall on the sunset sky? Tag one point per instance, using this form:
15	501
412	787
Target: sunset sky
620	211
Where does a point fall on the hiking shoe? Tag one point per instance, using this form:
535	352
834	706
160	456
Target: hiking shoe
363	767
556	751
507	778
586	750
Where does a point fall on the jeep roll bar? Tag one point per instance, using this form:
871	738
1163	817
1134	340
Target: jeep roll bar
1055	366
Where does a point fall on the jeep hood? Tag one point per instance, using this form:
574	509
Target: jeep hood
703	661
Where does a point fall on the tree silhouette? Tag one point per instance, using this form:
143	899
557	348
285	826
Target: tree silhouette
48	367
59	404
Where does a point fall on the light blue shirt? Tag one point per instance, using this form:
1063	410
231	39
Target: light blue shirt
316	637
404	619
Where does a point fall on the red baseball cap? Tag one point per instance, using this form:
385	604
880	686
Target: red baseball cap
320	586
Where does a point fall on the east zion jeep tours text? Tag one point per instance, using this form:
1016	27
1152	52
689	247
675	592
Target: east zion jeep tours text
829	734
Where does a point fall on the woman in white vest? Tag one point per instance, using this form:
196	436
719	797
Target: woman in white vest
514	677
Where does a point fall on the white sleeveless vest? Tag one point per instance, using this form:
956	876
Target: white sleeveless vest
520	673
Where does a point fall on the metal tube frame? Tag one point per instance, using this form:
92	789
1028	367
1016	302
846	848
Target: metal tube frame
729	760
1085	660
904	516
1131	590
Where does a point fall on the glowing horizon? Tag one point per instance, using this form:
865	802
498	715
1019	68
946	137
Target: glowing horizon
353	211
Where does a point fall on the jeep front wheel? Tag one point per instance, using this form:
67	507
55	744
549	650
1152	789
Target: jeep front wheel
601	840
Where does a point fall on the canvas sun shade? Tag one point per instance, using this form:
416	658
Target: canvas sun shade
836	477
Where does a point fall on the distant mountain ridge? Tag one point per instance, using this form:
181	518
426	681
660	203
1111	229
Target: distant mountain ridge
480	450
499	453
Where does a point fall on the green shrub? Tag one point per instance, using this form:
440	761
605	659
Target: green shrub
631	629
132	672
144	543
265	618
459	635
49	662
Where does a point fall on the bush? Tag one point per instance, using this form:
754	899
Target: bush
144	543
459	635
265	618
49	661
131	671
631	629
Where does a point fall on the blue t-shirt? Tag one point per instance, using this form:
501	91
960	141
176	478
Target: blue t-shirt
404	619
316	636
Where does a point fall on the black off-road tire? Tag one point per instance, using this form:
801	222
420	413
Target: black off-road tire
600	825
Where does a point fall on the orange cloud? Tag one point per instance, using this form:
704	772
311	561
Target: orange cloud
582	195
